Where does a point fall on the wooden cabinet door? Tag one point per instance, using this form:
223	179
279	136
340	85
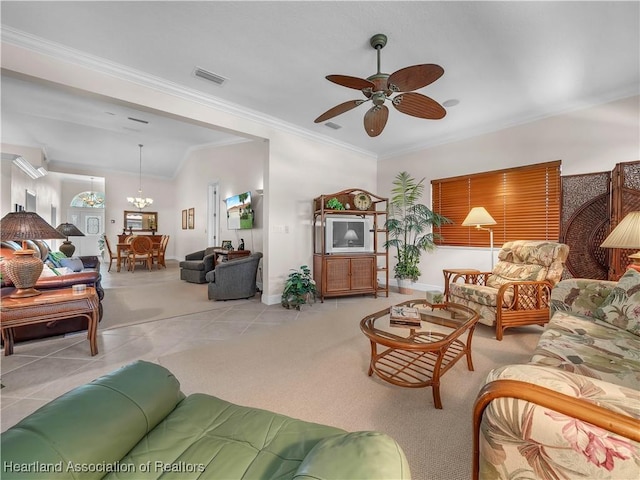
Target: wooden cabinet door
363	273
336	275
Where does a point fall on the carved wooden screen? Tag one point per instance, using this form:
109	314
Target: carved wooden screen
585	224
592	204
625	180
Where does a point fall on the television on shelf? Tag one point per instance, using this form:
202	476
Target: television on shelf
239	211
348	235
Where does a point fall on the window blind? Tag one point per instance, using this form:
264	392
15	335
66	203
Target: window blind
524	202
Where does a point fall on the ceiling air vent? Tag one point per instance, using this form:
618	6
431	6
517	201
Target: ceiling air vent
335	126
212	77
137	120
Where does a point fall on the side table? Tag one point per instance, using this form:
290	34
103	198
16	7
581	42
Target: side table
49	306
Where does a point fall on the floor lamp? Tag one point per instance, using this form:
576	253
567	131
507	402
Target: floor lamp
477	217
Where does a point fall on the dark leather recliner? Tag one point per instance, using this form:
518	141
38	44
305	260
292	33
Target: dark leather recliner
234	279
196	265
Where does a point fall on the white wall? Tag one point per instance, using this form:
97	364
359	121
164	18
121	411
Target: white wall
236	168
299	167
15	183
593	139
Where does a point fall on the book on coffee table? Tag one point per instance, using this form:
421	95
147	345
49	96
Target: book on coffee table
402	316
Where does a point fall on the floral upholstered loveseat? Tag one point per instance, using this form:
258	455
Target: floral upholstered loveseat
574	410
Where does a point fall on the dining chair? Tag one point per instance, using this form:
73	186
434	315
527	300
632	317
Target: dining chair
141	250
158	253
112	256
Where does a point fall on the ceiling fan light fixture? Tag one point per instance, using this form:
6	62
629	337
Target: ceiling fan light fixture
140	201
380	86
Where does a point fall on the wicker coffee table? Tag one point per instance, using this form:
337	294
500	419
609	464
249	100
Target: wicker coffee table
416	358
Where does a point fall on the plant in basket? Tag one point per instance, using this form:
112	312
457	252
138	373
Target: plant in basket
299	289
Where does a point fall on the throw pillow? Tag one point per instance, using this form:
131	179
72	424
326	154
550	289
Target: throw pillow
48	272
55	257
74	263
622	307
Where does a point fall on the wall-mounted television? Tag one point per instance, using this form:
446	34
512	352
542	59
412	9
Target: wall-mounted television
348	234
239	211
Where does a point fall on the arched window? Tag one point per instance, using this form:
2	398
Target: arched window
88	200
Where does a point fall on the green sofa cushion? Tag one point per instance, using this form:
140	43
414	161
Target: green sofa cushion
136	424
93	425
229	440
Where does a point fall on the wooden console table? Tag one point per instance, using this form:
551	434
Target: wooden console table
222	254
49	306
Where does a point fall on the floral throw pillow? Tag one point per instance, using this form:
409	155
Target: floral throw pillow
622	307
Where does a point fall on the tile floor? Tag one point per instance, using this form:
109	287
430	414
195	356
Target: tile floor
42	370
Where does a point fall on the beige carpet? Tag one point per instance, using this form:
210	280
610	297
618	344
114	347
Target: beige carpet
316	370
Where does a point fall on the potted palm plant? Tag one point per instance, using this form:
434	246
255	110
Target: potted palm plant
410	225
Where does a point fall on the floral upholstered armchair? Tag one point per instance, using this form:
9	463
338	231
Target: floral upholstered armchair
518	290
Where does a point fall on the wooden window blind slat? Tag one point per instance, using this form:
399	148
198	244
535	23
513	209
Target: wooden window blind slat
524	201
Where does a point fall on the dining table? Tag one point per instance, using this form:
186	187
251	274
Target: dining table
123	247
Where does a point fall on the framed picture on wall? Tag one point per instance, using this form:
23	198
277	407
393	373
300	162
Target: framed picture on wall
191	218
184	219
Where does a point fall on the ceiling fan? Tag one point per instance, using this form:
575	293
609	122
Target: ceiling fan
380	86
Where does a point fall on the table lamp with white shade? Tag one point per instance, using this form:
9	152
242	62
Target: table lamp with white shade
477	217
626	235
24	268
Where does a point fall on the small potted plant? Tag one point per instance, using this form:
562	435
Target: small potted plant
101	245
299	289
335	204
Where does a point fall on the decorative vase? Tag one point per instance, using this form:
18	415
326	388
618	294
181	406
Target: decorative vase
24	270
404	286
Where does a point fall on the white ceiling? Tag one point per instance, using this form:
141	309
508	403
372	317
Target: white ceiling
506	62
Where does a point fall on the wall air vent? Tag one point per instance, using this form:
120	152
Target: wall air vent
212	77
335	126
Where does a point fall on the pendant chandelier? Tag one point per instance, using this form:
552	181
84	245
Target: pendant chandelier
91	198
140	202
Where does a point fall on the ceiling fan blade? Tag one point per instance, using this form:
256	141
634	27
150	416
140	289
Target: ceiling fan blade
414	77
351	82
338	109
375	120
418	105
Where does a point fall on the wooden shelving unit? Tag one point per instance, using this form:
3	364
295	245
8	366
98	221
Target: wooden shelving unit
340	274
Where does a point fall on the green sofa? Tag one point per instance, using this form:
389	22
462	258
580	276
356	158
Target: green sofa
135	423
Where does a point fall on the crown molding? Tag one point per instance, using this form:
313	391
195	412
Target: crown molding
627	92
63	53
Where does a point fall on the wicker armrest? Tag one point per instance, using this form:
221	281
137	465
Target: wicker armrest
525	295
